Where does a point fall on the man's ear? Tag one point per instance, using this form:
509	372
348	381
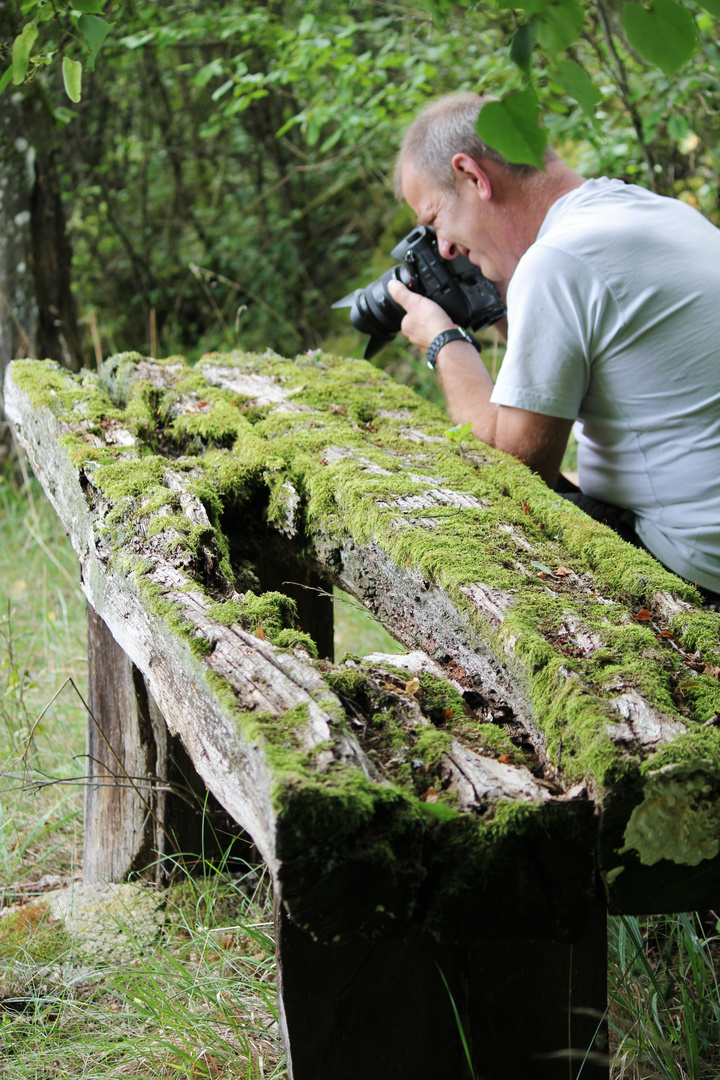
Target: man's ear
467	169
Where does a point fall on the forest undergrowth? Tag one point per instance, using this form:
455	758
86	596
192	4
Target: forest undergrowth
180	982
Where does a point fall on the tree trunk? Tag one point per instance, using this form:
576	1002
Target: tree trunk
38	316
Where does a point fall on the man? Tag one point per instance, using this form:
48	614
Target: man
613	300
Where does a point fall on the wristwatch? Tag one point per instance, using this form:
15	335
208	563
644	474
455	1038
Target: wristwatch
456	334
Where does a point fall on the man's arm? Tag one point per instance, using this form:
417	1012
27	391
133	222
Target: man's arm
537	440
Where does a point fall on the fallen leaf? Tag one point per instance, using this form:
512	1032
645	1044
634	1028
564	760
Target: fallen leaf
643	615
526	508
562	571
541	574
259	632
710	669
505	759
430	795
449	713
545	571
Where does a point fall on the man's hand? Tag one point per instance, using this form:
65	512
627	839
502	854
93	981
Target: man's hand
424	320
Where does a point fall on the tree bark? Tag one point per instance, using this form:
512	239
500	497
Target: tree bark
38	316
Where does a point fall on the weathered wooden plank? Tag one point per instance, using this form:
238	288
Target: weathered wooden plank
147	812
587	653
383	1008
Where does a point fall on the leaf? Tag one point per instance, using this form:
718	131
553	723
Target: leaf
678	127
72	78
664	33
559	24
92	7
94	30
6	78
22	47
456	434
521	46
642	615
511	127
438	810
541	566
577	84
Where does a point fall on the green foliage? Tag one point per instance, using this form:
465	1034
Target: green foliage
665	996
664	35
54	32
511	126
456	434
226	168
72	78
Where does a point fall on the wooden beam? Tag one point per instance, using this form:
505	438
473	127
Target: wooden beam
384	1008
576	724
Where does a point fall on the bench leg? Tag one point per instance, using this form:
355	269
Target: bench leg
380	1009
144	800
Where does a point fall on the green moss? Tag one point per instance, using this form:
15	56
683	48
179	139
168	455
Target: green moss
49	386
281	456
438	700
289	639
31	935
119	480
274	611
431	745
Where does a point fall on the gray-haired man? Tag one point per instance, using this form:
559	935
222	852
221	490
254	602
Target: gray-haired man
613	321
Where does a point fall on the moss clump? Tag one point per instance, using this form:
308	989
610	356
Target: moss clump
271	611
31	934
439	701
51	387
291	639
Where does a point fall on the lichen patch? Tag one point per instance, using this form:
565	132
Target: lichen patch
678	818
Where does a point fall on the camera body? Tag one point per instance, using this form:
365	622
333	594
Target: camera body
456	285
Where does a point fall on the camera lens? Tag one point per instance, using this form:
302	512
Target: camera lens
374	311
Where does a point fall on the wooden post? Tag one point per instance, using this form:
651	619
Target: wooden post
144	800
529	1010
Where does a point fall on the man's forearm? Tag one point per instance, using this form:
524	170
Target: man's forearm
467	387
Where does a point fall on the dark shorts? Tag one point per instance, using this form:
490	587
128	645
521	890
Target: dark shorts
620	521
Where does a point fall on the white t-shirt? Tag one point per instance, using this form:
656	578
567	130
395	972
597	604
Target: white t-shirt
614	320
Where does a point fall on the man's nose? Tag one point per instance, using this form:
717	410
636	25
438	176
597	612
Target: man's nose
446	249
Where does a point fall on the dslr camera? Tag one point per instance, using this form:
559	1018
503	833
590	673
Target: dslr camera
455	284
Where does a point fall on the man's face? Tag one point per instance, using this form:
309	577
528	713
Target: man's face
460	218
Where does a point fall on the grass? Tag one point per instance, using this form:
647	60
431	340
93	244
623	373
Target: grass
181	983
665	1014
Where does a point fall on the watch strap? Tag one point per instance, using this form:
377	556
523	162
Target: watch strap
455	334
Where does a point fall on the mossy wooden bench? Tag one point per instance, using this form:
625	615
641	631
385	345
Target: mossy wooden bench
444	829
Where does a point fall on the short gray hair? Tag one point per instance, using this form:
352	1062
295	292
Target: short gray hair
443	128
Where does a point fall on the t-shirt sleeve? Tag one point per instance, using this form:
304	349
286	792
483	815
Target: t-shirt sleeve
554	302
